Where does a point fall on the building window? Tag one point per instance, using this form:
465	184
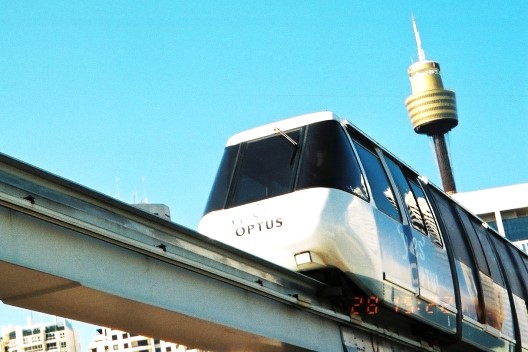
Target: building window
34	348
51	346
516	229
63	344
143	343
116	347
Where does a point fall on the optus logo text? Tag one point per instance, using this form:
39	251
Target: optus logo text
258	227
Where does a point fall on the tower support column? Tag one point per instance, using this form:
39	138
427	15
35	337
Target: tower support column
444	164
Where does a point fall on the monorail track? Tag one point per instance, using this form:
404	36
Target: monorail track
105	246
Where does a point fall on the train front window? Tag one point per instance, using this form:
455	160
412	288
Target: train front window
220	189
265	168
329	161
317	155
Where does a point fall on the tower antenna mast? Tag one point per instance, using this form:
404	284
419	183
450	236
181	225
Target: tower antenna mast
421	53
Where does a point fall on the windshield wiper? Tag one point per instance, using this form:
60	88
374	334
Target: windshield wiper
291	140
286	136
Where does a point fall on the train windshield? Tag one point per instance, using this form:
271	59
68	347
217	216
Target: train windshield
318	155
265	168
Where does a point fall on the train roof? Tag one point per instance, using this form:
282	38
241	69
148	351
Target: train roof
283	125
299	121
303	120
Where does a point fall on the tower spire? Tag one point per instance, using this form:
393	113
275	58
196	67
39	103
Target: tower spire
421	53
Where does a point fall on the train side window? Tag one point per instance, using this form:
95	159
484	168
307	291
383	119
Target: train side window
427	214
504	315
497	312
521	302
491	259
408	196
453	229
467	274
513	270
378	181
523	273
523	263
474	241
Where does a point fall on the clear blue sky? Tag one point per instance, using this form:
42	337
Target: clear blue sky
135	99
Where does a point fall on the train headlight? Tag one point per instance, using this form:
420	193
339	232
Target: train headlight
308	261
303	258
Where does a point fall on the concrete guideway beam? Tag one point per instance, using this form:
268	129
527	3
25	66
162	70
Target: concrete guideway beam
89	280
68	252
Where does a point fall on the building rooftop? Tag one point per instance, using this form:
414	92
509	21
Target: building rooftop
494	199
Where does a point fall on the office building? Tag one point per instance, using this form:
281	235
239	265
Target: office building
110	340
503	208
56	337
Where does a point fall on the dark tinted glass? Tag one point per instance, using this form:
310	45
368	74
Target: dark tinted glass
378	181
484	237
523	271
470	288
407	194
511	271
525	261
328	160
478	252
220	189
516	272
453	229
265	169
427	214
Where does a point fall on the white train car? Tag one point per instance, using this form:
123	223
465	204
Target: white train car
314	194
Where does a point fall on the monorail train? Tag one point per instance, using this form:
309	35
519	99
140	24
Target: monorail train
316	195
